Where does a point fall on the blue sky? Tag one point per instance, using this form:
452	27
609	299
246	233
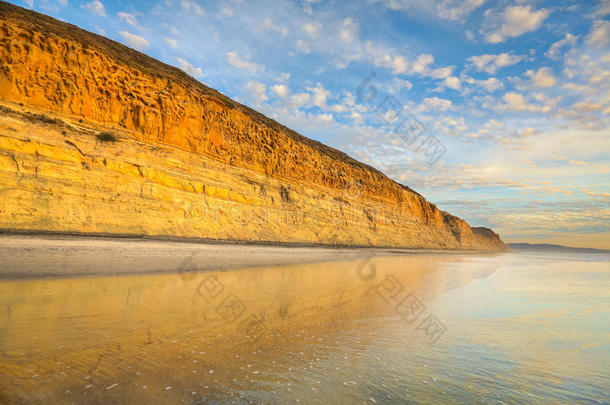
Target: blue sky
516	93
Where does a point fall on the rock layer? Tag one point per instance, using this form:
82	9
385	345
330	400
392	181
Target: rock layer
98	138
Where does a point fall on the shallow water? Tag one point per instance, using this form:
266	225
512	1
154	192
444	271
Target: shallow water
424	328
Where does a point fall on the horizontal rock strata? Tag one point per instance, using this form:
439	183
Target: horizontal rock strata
98	138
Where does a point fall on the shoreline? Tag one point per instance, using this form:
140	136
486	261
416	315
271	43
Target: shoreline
212	241
30	254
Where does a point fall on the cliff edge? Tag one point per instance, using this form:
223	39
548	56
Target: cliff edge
96	137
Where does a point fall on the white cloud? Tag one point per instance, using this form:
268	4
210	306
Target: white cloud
436	103
303	46
586	107
492	84
171	42
97	7
280	89
397	84
128	18
307	5
319	95
348	30
600	34
516	102
30	3
542	77
450	126
357	118
298	100
455	10
190	69
257	91
398	64
575	87
441	73
268	25
226	12
516	21
491	63
134	41
421	63
554	51
235	60
312	29
527	132
492	128
323	119
189	6
453	83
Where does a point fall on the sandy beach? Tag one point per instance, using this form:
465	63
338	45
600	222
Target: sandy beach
48	255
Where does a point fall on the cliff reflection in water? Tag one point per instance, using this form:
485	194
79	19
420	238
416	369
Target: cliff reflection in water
506	327
203	335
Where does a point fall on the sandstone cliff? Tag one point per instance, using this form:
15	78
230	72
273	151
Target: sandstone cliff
98	138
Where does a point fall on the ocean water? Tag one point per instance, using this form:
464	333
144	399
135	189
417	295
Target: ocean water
406	328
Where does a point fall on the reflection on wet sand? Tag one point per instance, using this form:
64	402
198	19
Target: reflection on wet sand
248	335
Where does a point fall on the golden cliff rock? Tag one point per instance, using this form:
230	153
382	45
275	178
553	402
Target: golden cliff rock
98	138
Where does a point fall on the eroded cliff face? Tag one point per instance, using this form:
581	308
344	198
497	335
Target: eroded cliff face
96	137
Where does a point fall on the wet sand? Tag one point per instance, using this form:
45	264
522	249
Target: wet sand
411	328
46	255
